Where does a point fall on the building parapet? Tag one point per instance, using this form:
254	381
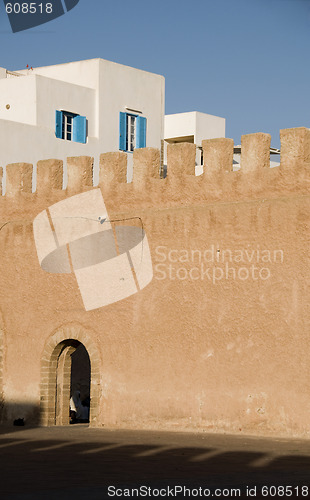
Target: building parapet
218	183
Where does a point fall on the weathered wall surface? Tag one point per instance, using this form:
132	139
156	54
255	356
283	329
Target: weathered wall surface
219	340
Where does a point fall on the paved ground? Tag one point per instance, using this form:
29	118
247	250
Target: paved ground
76	462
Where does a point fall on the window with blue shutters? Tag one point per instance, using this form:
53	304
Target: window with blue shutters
132	132
71	127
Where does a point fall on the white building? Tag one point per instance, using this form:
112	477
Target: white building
81	108
86	108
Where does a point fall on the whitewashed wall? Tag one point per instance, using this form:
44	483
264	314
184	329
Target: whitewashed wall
97	89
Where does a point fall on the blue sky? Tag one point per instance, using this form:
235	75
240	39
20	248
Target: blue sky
245	60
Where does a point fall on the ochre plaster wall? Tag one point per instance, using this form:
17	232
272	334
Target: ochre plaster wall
190	350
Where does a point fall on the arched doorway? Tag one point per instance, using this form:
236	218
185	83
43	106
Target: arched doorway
70	362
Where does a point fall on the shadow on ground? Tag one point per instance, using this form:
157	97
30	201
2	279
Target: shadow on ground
57	463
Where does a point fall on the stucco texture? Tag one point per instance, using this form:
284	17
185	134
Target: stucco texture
219	340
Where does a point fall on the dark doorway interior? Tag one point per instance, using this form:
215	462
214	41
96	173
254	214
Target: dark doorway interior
80	385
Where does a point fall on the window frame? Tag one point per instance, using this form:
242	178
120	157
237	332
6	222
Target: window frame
132	139
71	126
67	121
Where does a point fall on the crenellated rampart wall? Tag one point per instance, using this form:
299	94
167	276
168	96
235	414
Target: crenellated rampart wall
218	340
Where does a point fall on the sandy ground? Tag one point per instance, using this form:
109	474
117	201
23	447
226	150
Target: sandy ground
76	462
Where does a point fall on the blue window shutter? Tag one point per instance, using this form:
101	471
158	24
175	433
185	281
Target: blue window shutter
122	131
58	125
141	132
79	129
